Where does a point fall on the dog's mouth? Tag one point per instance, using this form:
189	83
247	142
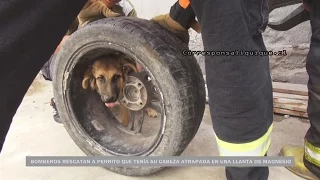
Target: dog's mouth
111	104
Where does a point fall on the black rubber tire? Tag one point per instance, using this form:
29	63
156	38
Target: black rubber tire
179	78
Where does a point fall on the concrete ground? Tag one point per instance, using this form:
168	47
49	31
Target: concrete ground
34	132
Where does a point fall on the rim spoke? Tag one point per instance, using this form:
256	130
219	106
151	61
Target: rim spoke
140	122
131	122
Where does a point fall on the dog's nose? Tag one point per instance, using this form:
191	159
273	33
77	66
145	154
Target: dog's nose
108	99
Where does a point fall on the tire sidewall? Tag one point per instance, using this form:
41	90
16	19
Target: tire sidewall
170	144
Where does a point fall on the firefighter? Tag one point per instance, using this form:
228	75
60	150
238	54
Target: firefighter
239	87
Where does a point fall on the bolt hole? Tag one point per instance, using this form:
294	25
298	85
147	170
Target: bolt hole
139	84
140	103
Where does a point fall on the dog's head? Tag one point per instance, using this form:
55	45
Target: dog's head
108	76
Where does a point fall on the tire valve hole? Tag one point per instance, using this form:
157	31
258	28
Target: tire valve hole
148	78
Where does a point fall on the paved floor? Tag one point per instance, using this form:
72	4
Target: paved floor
34	132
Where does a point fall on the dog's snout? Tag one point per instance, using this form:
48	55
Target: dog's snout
108	99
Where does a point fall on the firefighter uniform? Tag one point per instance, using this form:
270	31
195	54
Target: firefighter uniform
307	158
240	87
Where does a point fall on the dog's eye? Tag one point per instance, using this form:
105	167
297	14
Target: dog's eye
100	78
116	77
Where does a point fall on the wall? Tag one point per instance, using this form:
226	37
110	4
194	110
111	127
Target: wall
148	8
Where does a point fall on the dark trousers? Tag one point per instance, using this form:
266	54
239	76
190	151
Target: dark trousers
313	69
29	33
239	87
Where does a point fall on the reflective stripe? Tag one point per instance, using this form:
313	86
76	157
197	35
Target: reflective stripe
312	153
184	3
258	147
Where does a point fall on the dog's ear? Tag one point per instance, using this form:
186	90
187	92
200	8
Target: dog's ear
93	84
127	64
127	67
88	79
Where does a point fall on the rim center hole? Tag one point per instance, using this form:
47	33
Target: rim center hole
132	93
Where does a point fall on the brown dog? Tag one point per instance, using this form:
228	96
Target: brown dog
108	76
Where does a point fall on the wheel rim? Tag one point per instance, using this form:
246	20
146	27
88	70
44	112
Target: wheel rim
98	133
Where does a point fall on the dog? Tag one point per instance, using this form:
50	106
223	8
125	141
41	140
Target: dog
107	76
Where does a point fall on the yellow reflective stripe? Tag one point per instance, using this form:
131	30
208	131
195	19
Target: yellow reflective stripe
260	151
312	153
258	147
312	148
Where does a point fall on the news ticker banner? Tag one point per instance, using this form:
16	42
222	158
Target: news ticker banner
159	161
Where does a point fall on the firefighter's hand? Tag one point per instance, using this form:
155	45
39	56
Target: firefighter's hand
63	41
173	26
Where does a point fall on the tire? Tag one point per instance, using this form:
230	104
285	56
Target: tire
178	78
